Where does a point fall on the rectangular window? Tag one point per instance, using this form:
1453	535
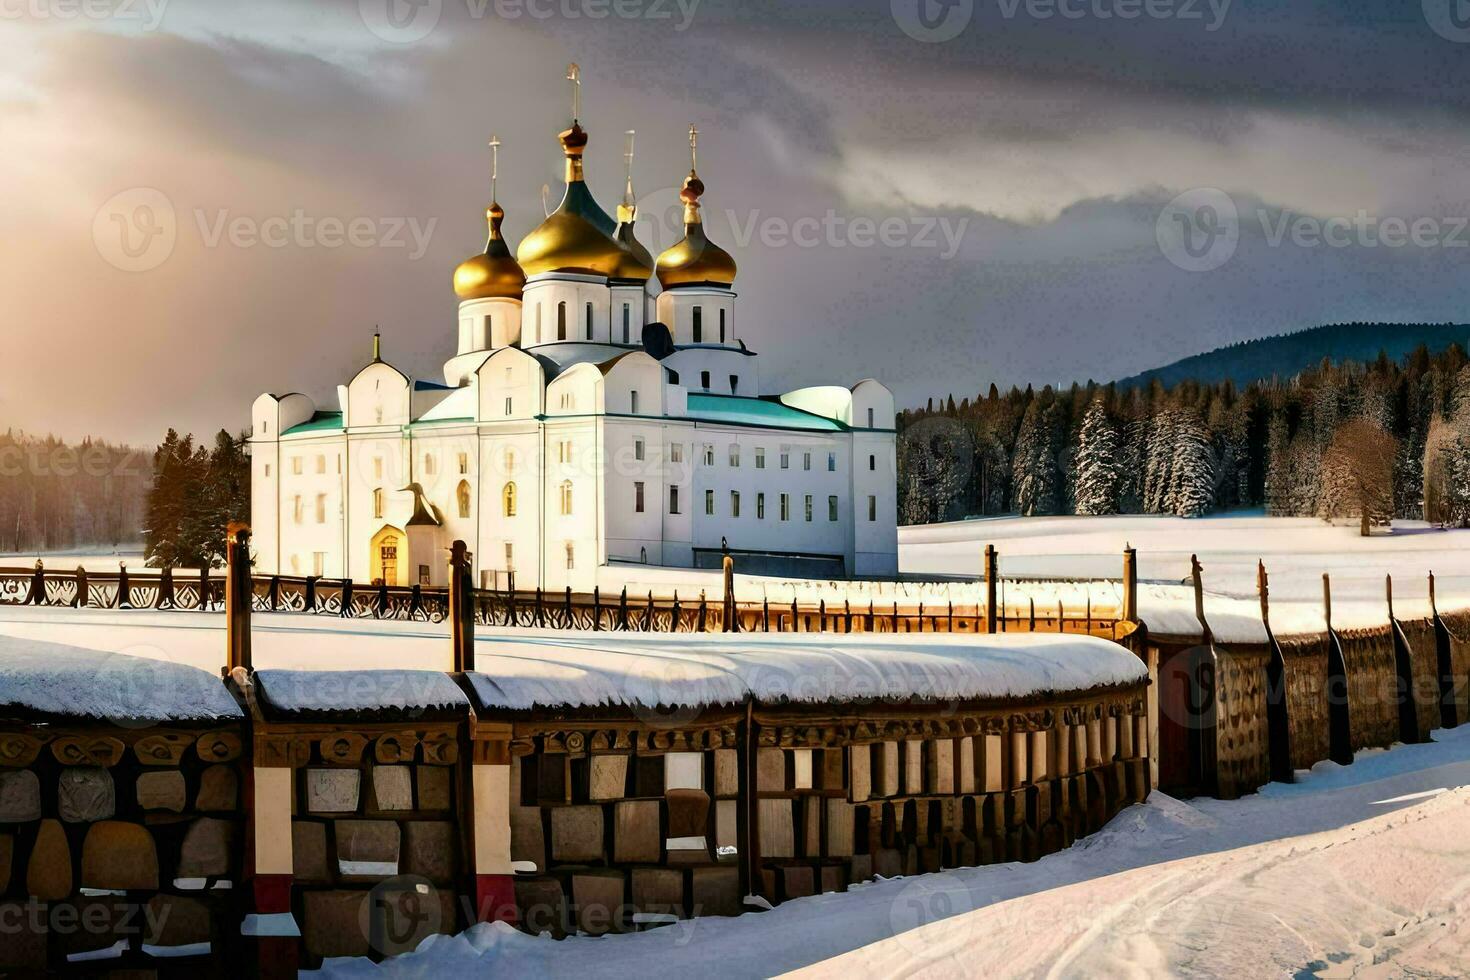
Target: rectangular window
638	449
318	563
806	460
722	325
296	508
760	458
872	508
510	557
321	509
785	458
709	503
564	451
699	326
638	497
734	503
831	508
808	507
267	469
571	556
464	463
339	464
538	323
566	499
676	452
673	499
633	402
704	380
428	465
734	383
831	462
626	316
295	465
509	406
785	506
760	506
377	468
870	418
735	454
321	464
589	321
709	455
872	462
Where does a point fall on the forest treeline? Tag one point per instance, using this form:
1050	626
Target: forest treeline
1372	441
60	496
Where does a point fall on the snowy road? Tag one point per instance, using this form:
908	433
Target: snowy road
1353	871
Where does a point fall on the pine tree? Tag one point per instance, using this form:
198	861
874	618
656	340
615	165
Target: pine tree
1192	472
1098	481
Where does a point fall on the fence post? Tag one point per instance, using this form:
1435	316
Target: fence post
990	586
275	592
1196	574
38	585
703	611
123	599
165	597
310	601
82	598
765	614
461	609
1130	584
382	606
676	615
238	590
204	587
729	568
597	607
623	610
1278	707
346	598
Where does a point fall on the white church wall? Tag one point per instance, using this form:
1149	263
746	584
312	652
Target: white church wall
544	296
311	480
510	453
512	386
378	396
677	310
715	371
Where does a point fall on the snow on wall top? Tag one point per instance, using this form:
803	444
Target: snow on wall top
560	669
49	678
347	691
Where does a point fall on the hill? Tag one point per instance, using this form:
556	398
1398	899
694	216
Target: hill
1287	354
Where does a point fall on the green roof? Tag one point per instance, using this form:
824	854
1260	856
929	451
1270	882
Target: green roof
757	412
320	422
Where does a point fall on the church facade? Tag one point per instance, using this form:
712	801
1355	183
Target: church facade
600	408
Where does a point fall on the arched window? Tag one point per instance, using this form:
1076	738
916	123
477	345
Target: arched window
378	502
508	500
561	321
589	321
566	498
462	495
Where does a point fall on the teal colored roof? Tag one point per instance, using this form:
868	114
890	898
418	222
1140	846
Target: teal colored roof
320	422
759	412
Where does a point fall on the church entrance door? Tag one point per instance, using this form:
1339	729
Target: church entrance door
388	556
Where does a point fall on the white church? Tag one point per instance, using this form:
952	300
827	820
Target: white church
601	409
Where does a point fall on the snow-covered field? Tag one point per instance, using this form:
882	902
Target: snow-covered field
1296	552
1360	870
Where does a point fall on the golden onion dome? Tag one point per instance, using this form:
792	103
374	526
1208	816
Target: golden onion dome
494	273
694	260
577	236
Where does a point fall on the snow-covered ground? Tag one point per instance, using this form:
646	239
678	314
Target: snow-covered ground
1357	870
1296	552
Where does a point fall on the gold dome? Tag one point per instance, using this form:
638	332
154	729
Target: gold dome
637	263
494	273
577	236
694	260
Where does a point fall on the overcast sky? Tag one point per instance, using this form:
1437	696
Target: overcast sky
203	201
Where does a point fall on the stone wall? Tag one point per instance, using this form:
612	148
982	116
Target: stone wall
111	835
1306	697
1243	741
